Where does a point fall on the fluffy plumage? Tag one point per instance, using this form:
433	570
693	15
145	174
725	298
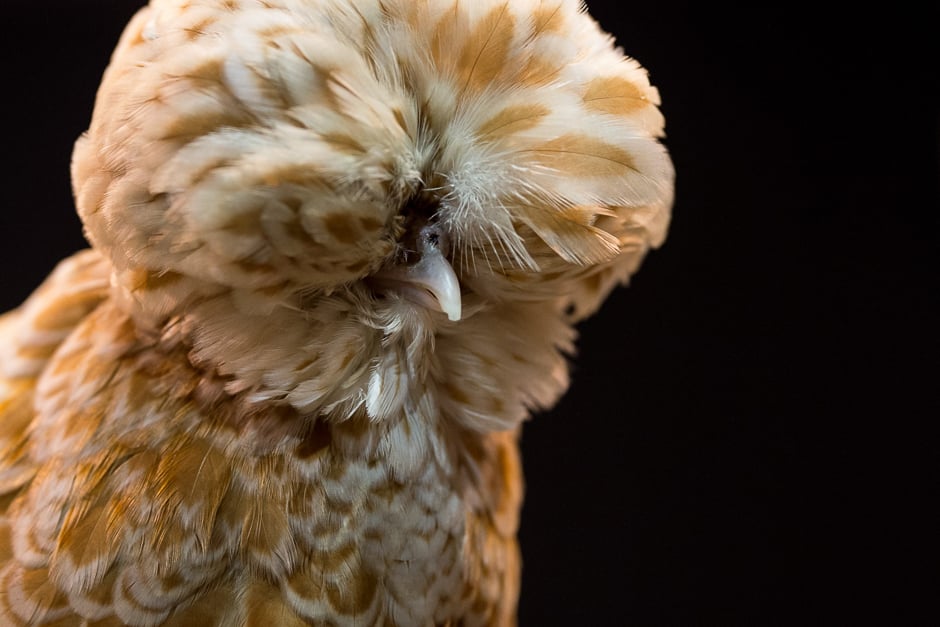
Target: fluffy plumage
337	249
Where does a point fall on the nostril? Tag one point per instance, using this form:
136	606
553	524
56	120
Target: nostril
433	236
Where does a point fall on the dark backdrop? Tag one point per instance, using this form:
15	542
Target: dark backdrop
742	431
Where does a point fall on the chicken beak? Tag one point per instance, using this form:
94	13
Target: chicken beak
430	281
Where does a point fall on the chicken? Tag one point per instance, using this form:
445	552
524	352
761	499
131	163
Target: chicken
337	252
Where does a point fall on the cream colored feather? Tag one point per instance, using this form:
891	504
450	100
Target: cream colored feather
337	251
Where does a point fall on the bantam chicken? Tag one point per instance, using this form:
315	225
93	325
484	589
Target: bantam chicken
337	252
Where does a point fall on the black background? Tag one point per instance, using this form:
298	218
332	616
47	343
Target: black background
742	442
